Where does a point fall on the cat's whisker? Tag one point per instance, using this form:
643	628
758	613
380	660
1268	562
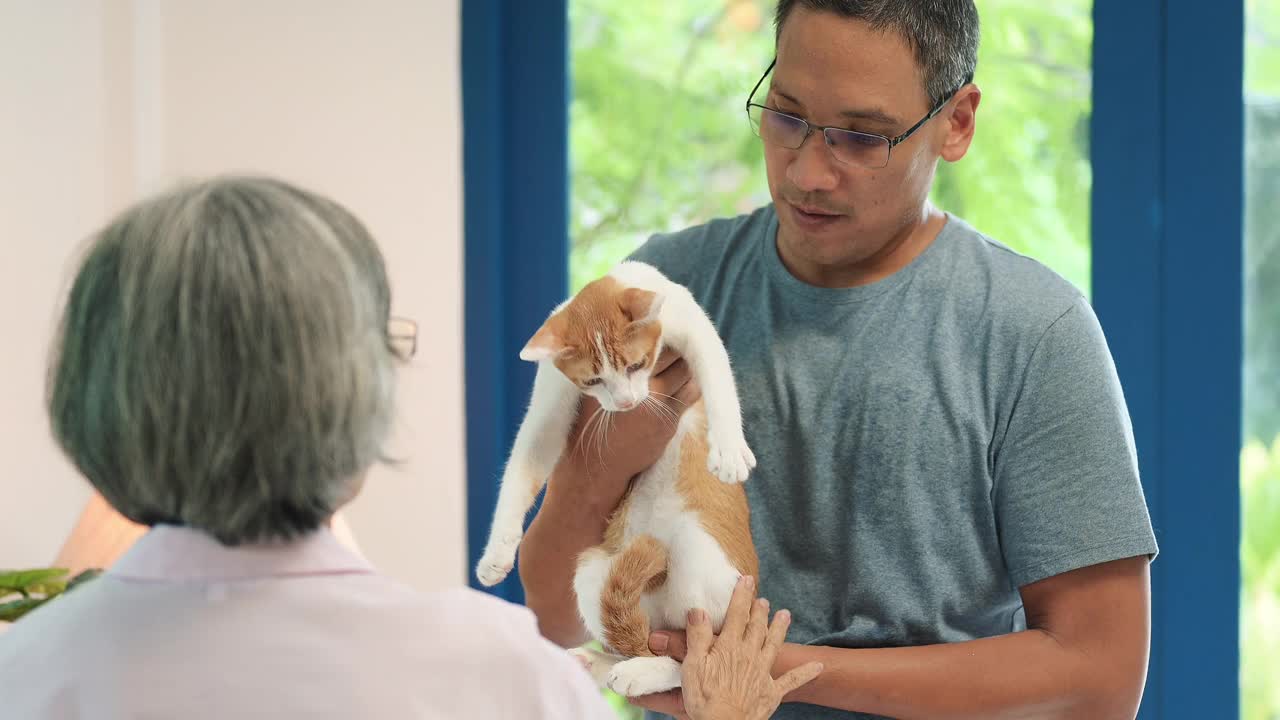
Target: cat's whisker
665	408
597	437
586	429
660	406
669	397
661	411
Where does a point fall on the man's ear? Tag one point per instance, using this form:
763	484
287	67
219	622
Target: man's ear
641	306
961	122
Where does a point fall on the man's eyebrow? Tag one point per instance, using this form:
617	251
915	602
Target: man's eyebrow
873	114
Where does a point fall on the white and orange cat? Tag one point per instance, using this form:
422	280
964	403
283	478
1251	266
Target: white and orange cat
681	537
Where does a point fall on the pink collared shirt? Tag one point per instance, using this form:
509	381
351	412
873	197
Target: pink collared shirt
183	627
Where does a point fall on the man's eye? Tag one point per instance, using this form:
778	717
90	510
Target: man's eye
592	381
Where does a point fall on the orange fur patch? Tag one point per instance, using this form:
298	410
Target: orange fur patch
721	508
634	570
607	309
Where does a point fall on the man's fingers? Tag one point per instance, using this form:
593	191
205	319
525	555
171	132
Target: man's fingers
735	618
671	380
687	395
798	677
665	360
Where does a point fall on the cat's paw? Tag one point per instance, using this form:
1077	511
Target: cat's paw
730	460
498	560
644	676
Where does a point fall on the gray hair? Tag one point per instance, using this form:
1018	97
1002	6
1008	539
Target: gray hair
223	360
943	34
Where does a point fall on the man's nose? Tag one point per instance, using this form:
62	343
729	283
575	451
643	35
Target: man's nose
813	167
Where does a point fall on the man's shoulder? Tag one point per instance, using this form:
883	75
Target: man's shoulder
683	254
1009	287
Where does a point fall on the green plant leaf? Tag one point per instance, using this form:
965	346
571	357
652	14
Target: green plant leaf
83	577
32	581
14	609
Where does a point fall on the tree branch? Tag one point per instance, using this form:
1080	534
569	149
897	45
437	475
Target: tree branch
590	236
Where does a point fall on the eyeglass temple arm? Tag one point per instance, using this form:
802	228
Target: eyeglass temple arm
760	82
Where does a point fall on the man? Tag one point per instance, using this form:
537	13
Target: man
947	497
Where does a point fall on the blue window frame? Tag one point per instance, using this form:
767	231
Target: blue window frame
515	158
1167	147
1168	199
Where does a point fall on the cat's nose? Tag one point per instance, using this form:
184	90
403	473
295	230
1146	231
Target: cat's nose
626	404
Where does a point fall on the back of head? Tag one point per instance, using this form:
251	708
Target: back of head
223	360
943	34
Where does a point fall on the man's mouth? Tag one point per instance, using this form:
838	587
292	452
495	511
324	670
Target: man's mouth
813	217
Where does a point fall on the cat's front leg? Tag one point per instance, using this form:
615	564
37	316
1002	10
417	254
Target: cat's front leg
538	446
691	333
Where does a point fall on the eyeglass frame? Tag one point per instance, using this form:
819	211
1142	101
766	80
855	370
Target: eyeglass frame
811	127
411	336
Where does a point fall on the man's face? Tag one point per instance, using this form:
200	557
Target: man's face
833	71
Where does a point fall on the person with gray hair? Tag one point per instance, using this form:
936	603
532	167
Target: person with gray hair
224	373
946	497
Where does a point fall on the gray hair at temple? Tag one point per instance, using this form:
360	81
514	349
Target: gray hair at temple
223	360
943	34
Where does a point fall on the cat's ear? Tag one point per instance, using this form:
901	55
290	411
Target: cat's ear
641	306
546	344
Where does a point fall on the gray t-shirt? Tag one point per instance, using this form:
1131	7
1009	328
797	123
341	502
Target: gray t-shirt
927	443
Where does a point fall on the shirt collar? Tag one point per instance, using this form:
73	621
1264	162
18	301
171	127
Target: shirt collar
169	552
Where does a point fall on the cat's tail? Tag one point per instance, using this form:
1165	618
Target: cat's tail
641	566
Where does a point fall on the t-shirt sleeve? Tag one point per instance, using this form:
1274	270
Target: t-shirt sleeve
669	253
1067	491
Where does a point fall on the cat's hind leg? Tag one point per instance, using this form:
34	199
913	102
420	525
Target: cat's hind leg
588	586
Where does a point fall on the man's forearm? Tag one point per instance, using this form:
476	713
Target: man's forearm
562	530
1028	674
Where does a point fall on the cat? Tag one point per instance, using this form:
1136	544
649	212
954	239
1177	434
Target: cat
681	537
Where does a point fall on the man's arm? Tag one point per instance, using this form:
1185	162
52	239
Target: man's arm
583	492
1084	654
561	531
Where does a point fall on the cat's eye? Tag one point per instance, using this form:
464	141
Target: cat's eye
637	366
592	381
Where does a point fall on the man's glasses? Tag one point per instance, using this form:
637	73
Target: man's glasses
402	337
866	150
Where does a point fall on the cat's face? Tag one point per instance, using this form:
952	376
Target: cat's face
605	340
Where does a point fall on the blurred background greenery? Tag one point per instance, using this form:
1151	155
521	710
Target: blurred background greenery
659	141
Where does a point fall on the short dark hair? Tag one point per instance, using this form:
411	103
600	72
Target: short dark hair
943	34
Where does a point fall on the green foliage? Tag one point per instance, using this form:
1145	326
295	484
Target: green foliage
22	591
659	139
1259	464
1262	56
1026	179
1260	565
1262	220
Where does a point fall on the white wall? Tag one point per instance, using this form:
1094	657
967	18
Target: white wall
358	100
